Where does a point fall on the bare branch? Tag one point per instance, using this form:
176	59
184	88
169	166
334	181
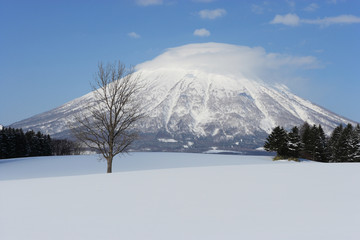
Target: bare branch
106	125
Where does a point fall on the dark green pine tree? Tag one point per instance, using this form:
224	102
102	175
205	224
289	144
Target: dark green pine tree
354	155
294	144
306	141
343	150
357	143
20	141
3	143
32	143
319	144
14	143
11	146
39	141
333	143
277	142
47	151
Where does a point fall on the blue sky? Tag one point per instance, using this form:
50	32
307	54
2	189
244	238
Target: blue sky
49	50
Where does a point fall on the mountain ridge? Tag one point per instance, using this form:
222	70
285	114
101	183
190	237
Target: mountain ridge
202	97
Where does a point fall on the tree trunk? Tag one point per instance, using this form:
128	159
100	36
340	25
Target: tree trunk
109	165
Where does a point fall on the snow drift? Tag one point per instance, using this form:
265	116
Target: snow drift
246	198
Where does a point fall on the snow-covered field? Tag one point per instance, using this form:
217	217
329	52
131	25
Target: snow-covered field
178	196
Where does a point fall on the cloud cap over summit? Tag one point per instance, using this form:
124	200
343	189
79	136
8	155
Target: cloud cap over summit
221	58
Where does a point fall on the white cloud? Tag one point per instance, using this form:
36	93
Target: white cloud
212	14
294	20
220	58
134	35
202	32
342	19
312	7
288	19
145	3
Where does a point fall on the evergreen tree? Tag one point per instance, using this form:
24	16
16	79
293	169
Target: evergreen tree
333	143
294	145
3	144
319	144
11	143
306	141
47	151
14	143
20	143
29	135
356	156
277	141
310	142
39	144
343	150
354	145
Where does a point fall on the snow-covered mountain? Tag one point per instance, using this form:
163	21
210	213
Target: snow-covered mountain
207	96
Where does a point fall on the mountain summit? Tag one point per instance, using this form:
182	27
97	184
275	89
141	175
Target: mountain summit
208	96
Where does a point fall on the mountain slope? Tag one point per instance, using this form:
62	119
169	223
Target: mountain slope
207	95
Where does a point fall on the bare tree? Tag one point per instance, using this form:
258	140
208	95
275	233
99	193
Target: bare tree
106	125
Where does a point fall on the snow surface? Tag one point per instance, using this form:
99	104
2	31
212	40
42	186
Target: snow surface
167	140
178	196
39	167
217	151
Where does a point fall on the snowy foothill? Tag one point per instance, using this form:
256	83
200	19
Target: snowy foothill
177	196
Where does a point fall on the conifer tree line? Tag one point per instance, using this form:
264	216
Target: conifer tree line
310	142
15	143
